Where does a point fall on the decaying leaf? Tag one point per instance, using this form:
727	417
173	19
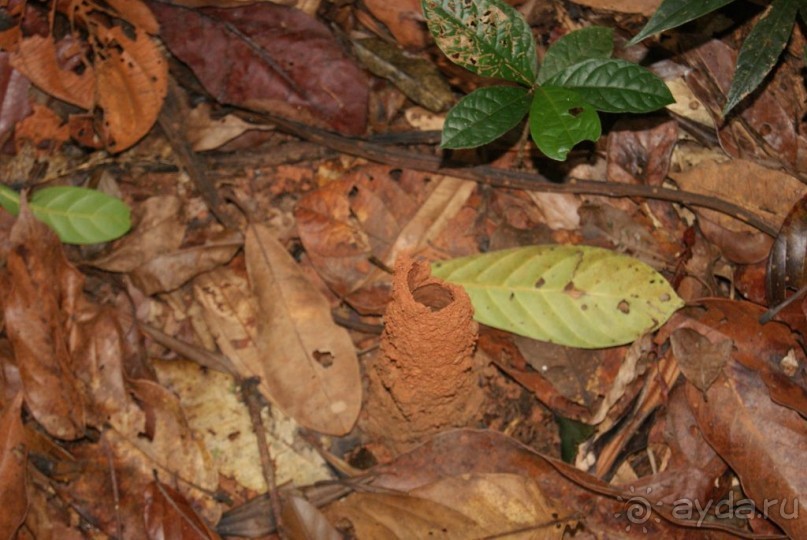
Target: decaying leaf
345	223
269	57
169	515
787	260
760	440
13	457
45	284
415	77
117	71
699	359
310	363
765	192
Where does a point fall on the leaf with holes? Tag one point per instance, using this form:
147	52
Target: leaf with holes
484	115
578	296
761	50
559	119
487	37
574	47
614	85
672	13
77	215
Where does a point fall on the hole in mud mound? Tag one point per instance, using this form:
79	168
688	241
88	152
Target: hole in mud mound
433	296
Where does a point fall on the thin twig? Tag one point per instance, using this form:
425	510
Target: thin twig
252	399
493	176
774	311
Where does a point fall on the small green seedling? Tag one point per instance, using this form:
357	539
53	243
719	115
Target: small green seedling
578	78
77	215
760	50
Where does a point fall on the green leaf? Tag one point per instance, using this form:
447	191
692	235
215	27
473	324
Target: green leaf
559	119
487	37
9	199
574	47
614	85
578	296
672	13
761	50
484	115
80	215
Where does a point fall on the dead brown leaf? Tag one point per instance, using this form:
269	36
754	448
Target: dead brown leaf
700	360
467	506
765	192
345	223
760	440
13	458
403	19
159	230
45	286
271	58
121	73
169	515
310	363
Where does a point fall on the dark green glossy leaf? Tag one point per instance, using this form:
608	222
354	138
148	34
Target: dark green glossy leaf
559	119
614	85
672	13
761	50
484	115
591	42
487	37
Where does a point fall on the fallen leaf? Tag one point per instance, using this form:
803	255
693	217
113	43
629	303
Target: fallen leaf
763	130
760	440
269	57
159	229
169	515
13	459
345	223
416	77
467	506
170	271
765	192
303	520
44	286
119	76
787	261
700	360
643	7
404	19
295	333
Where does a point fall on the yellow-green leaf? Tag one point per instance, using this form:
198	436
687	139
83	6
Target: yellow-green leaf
579	296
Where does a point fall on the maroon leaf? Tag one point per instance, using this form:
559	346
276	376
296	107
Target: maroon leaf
271	58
